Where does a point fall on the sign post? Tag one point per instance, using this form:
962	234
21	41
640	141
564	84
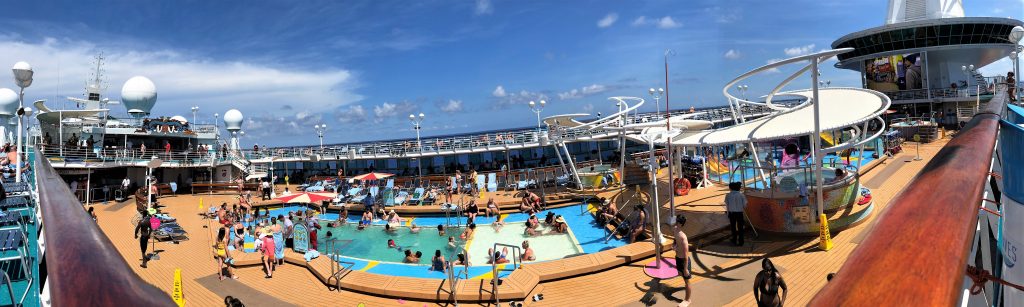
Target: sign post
300	238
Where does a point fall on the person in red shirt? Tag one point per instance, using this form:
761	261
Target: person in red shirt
268	248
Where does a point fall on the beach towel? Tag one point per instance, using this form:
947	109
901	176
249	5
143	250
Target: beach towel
278	245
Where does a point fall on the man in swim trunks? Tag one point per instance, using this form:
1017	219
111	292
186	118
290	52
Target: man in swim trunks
682	249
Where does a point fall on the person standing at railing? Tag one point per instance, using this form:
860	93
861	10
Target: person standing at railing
1011	86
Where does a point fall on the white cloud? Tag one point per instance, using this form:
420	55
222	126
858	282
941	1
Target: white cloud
483	7
352	114
608	20
732	54
503	99
799	50
662	23
668	23
588	108
773	70
582	92
182	80
452	106
640	21
499	92
389	110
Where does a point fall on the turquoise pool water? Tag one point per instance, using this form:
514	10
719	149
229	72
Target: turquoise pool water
368	248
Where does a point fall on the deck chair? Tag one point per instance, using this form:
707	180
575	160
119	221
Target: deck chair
417	196
402	197
388	197
480	182
390	184
14	257
522	182
492	185
358	196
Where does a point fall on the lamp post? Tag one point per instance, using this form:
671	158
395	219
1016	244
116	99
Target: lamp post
657	100
537	108
23	77
600	160
417	124
969	71
320	128
743	91
1016	34
195	110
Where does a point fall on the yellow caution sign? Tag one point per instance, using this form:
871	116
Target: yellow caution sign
825	239
177	295
483	195
200	203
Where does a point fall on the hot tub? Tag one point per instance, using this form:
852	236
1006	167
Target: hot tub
781	209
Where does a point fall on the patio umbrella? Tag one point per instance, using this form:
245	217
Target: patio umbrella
309	198
372	176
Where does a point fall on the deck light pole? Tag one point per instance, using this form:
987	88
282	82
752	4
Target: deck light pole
537	108
23	77
195	110
968	70
1016	34
320	128
657	100
417	124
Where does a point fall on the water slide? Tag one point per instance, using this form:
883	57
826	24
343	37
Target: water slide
827	137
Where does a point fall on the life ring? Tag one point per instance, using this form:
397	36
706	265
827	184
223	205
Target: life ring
682	186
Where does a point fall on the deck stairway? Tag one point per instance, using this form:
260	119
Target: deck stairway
636	175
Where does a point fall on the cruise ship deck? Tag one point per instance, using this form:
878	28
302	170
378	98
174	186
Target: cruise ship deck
722	272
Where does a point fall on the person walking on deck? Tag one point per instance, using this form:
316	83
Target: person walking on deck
735	203
142	232
682	249
767	284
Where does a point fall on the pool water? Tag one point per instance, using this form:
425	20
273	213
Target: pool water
545	246
372	242
368	248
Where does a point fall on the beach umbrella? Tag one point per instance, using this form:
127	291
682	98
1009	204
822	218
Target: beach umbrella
308	197
372	176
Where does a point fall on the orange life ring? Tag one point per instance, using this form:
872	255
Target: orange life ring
682	186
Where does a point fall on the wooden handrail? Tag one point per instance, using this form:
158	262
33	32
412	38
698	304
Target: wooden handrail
83	266
916	254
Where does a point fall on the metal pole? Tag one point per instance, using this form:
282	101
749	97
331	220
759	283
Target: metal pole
815	142
17	157
419	146
656	205
669	152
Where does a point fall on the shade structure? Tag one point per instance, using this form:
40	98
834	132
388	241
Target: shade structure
372	176
307	198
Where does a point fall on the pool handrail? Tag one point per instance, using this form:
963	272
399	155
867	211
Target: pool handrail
925	263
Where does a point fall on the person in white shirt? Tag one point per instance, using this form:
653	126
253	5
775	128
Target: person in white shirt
735	204
266	189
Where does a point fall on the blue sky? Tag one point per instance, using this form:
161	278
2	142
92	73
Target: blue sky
362	66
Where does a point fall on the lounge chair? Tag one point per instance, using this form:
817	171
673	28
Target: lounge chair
402	197
417	196
480	182
388	197
492	185
359	195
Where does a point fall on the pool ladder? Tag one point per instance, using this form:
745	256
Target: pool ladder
516	254
339	269
453	278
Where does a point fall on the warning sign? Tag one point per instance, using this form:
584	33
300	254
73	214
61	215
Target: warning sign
177	295
825	239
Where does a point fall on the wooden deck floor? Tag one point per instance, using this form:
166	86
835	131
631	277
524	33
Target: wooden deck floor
723	269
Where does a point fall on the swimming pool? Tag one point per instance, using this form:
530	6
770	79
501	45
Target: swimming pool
368	248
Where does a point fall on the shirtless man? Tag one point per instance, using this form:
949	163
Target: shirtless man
527	252
682	249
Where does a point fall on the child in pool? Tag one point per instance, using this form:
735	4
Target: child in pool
451	243
392	244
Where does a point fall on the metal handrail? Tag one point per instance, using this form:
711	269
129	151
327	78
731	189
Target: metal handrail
937	211
85	269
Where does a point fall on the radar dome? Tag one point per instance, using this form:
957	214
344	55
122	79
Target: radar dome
138	95
179	118
8	102
233	120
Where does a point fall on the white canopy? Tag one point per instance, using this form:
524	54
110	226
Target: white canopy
840	108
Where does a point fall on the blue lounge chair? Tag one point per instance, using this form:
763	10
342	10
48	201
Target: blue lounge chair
388	197
402	197
417	196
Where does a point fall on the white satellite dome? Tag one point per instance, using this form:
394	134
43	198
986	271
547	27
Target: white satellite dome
179	118
138	95
8	102
233	120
